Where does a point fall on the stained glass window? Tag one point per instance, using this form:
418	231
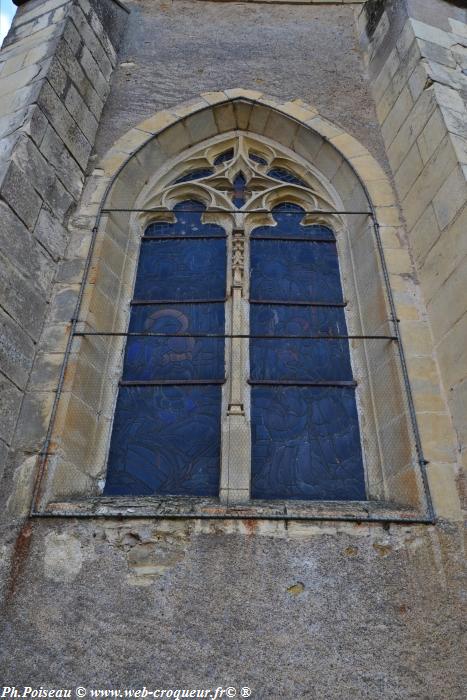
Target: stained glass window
286	176
239	194
224	157
298	399
166	432
195	175
256	158
305	432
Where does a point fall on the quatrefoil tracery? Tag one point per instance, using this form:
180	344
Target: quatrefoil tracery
242	174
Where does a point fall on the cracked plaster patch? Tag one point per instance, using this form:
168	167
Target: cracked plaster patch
63	557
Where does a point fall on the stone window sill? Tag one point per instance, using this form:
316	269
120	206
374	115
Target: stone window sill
212	508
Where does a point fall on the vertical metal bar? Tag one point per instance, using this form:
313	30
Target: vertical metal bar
74	322
405	374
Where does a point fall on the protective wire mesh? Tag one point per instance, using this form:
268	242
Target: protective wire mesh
226	384
87	409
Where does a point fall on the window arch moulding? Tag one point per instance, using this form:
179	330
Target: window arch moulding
329	174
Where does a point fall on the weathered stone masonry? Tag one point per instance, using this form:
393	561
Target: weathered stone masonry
292	609
417	60
55	68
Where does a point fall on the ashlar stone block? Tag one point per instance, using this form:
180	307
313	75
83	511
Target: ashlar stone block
71	66
409	171
93	72
81	114
42	176
452	355
444	255
450	198
435	35
16	100
443	487
20	247
431	136
91	41
22	300
20	195
64	125
429	182
50	232
412	127
67	169
16	351
447	306
10	403
25	13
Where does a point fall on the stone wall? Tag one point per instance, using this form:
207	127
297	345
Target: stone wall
173	52
417	58
292	609
55	68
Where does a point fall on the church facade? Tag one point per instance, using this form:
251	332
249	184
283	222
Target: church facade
233	356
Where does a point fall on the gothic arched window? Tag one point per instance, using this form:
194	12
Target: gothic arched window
237	375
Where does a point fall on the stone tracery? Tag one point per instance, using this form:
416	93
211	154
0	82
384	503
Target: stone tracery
245	186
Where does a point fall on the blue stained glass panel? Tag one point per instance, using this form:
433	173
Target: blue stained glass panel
306	444
298	359
166	440
195	175
188	223
173	357
297	320
288	218
166	436
181	270
294	271
256	158
239	184
286	176
224	157
305	439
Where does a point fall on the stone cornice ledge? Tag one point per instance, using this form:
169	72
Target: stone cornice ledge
211	508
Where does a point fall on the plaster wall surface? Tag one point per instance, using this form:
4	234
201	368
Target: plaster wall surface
173	51
290	610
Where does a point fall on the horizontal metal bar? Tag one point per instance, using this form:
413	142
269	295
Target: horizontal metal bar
310	211
152	302
298	382
149	302
182	238
167	382
143	334
301	239
275	302
229	211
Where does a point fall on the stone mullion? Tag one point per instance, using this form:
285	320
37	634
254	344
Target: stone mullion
235	470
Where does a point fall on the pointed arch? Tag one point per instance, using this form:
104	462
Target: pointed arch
360	195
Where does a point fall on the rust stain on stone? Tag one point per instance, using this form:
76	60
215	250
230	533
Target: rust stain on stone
250	526
20	554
